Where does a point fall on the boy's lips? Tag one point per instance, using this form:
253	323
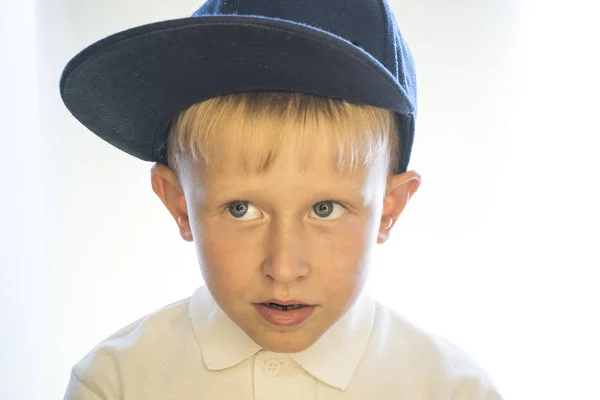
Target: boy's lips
283	316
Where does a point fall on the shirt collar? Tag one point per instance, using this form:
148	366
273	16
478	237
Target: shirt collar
333	358
223	344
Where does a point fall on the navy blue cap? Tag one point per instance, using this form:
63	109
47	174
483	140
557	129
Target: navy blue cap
128	87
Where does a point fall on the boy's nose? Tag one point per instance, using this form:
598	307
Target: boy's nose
286	256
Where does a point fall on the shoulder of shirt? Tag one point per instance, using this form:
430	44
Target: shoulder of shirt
428	357
135	347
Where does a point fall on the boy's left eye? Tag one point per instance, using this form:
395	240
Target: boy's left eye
238	209
324	209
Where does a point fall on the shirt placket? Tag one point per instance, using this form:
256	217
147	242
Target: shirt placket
277	376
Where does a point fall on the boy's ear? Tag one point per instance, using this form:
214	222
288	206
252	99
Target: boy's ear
400	188
167	187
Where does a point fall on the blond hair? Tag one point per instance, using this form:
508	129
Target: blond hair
262	121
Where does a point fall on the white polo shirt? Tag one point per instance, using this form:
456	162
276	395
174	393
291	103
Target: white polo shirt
191	350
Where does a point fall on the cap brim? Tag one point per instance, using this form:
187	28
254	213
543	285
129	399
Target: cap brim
127	87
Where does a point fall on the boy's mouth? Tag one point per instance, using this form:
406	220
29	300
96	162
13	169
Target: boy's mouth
290	313
284	305
285	308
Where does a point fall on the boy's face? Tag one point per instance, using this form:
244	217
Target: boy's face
284	238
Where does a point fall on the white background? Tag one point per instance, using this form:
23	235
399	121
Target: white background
498	251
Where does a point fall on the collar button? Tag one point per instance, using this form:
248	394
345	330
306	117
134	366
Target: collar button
272	367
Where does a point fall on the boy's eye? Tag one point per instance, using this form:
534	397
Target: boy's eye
324	209
239	209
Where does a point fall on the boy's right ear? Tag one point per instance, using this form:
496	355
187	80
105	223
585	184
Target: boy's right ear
167	187
159	170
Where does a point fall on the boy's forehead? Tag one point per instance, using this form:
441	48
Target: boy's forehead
319	178
284	174
305	161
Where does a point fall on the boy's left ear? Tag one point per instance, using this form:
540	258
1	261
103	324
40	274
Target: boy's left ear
400	188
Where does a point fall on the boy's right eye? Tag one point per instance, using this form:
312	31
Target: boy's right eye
239	208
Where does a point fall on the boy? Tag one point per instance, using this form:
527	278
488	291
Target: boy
281	132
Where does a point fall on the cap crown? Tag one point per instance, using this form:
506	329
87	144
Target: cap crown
368	24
